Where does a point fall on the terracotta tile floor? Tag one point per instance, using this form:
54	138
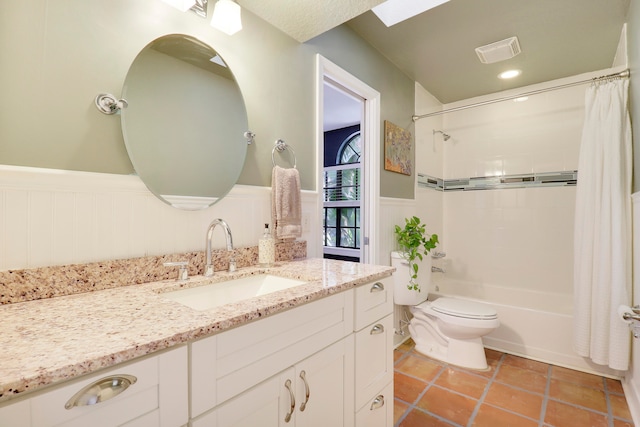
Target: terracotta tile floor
515	392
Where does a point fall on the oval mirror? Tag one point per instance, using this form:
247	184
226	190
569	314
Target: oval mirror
185	123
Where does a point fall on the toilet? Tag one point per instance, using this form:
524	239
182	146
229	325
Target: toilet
446	329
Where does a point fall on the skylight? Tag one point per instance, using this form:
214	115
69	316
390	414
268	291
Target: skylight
393	11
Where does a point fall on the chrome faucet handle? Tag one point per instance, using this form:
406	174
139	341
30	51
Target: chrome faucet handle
183	273
232	265
437	255
438	270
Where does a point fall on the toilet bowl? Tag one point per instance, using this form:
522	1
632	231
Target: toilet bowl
446	329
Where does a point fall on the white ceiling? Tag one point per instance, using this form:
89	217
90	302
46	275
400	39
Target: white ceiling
340	109
559	38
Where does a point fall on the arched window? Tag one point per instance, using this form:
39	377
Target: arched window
342	196
350	150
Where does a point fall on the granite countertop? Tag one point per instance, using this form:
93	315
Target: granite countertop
50	340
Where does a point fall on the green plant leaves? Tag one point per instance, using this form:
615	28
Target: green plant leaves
413	241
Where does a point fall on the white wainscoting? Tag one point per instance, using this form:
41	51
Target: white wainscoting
55	217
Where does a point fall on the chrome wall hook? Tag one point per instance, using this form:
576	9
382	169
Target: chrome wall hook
250	137
108	104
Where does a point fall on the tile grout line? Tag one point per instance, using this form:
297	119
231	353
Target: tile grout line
545	397
608	401
413	406
486	391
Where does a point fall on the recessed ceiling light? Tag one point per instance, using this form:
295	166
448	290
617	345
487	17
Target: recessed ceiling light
509	74
393	11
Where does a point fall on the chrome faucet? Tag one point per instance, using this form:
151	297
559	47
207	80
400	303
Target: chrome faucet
208	269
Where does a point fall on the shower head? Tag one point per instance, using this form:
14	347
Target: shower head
445	136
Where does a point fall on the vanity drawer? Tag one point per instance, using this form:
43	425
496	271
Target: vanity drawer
158	393
373	301
373	359
224	365
378	411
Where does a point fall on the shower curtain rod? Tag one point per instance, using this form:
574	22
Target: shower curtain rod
621	75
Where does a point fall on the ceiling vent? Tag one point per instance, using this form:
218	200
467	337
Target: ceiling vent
499	51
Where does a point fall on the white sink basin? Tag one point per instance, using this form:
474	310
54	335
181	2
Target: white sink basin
206	297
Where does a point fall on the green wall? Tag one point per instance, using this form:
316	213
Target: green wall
57	56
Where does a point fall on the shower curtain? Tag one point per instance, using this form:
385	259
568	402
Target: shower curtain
602	239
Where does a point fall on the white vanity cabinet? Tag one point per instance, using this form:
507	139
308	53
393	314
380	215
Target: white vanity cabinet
374	354
326	363
150	392
316	392
291	369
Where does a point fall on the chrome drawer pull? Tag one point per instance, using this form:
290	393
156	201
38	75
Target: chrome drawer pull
287	417
104	389
378	403
303	375
377	287
377	329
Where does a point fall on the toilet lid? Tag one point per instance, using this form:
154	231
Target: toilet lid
464	308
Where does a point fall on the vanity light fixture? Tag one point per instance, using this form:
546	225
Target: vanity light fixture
226	17
509	74
181	5
199	7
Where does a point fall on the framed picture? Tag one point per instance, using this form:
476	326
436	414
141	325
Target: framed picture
397	149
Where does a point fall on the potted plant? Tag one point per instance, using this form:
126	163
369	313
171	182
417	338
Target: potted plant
414	242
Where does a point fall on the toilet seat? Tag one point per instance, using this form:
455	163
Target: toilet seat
461	308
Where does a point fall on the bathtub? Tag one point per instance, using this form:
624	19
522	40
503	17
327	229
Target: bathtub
535	325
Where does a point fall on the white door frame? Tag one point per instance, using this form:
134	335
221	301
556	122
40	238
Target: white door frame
326	69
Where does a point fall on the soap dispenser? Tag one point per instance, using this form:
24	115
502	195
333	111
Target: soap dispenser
266	248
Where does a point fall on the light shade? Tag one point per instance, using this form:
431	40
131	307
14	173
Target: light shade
226	17
182	5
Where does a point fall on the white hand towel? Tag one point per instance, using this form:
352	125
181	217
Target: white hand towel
286	210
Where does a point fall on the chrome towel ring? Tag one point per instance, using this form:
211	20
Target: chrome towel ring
281	146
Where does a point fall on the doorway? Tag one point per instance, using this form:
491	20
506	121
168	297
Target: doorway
348	141
342	184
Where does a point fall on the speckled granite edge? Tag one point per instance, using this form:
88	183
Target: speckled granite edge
47	282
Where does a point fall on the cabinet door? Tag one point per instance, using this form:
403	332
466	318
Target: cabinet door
325	387
266	405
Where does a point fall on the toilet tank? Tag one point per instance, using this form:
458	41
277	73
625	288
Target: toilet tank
401	294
